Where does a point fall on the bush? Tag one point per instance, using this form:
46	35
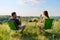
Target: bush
57	27
4	33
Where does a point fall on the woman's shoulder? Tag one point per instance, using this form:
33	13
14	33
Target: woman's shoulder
44	17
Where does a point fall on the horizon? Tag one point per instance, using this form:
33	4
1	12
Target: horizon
30	7
29	16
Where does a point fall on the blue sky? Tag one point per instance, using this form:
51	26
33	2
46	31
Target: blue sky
30	7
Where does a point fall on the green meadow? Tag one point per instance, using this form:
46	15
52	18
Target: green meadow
31	32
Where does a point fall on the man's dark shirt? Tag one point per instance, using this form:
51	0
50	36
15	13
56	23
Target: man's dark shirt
16	22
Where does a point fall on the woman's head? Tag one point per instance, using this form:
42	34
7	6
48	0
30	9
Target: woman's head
46	14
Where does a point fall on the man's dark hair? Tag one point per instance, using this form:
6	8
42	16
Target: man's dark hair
13	13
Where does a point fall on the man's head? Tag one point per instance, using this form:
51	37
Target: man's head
14	14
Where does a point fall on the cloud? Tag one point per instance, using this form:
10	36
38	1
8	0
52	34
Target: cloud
24	2
31	12
35	1
8	11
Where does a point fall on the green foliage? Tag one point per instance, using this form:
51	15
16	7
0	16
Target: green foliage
31	32
57	27
4	32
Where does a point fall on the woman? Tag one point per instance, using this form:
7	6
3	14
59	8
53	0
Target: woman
42	19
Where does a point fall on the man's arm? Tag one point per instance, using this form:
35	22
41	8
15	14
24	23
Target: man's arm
20	20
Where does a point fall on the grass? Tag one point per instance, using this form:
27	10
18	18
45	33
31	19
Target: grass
31	32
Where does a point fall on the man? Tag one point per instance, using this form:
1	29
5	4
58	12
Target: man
17	21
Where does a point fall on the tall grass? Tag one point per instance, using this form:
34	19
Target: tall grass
31	32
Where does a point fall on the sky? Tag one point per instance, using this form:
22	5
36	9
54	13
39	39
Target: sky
30	7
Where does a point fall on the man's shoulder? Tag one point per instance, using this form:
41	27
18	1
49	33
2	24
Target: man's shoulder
10	18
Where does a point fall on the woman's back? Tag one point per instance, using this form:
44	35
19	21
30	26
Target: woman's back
43	17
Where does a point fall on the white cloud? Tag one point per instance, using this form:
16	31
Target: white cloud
23	2
8	11
31	12
35	1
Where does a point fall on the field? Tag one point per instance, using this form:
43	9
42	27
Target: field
31	32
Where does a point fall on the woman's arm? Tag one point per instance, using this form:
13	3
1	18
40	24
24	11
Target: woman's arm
41	21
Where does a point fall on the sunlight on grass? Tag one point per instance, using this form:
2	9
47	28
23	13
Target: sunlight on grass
31	32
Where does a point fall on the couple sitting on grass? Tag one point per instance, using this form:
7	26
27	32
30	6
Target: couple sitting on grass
18	22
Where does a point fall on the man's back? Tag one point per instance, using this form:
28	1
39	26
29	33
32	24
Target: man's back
17	21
